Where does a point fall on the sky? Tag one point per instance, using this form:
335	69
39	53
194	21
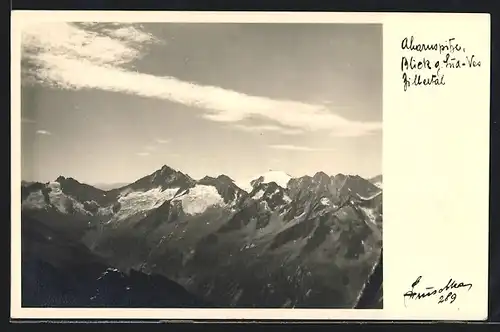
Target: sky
113	102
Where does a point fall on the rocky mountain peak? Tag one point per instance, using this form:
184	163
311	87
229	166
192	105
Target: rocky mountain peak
228	190
321	177
166	170
314	219
60	179
225	178
207	179
340	176
165	177
257	182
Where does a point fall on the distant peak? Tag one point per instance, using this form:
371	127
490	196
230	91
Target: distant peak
221	180
320	175
224	177
207	178
355	177
60	178
166	168
164	171
67	180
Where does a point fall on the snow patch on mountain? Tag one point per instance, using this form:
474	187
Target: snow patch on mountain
63	202
259	194
287	199
199	198
105	211
369	197
279	177
265	206
138	201
125	192
79	206
57	197
325	201
370	213
377	181
244	185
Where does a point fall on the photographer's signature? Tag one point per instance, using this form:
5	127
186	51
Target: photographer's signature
447	293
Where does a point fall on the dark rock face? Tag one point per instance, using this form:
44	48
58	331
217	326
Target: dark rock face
225	186
376	179
372	294
83	192
312	244
59	273
165	178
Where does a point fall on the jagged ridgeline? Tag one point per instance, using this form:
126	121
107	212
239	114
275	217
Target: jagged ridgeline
276	241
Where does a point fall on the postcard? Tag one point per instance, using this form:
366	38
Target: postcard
237	165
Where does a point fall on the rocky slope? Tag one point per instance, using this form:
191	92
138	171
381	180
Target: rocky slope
59	272
377	180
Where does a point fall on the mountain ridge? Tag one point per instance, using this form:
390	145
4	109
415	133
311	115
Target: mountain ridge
75	277
167	223
165	168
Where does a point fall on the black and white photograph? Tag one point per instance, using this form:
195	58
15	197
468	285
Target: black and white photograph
201	165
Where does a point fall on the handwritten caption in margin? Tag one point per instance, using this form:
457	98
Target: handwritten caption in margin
430	70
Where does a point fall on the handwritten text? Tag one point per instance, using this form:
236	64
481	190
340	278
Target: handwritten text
445	294
429	69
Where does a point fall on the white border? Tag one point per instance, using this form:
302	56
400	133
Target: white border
395	129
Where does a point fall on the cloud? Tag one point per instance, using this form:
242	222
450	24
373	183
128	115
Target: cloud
68	41
43	132
154	145
297	148
352	132
143	154
76	57
263	128
26	120
130	33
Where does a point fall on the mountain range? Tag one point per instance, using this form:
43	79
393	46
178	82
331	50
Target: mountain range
276	241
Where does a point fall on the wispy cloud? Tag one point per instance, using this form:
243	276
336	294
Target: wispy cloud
352	132
143	154
26	120
83	57
68	41
297	148
43	132
153	146
268	128
129	33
